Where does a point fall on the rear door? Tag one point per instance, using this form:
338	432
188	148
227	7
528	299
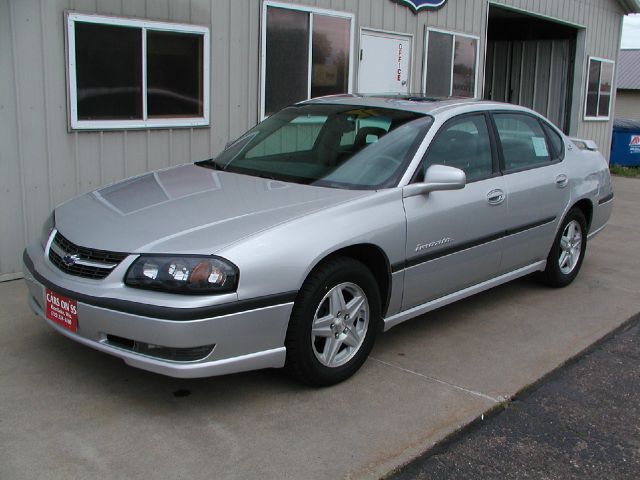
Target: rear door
454	237
536	183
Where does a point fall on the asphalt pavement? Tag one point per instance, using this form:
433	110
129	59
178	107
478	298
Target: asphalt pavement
581	421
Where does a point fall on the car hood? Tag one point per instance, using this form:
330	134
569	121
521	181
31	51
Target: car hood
188	209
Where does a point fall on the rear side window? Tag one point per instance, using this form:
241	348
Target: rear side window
524	143
462	143
557	145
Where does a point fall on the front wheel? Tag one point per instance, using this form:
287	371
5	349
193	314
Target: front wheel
568	250
333	323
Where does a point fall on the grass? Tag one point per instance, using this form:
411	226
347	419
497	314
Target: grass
624	171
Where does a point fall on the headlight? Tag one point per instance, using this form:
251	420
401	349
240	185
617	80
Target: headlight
47	228
183	274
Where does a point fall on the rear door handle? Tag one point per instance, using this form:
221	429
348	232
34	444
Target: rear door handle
495	197
562	180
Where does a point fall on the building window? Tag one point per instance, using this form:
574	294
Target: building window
306	53
451	64
599	88
126	73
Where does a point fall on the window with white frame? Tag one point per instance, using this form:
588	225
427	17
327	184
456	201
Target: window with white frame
451	64
129	73
306	52
599	88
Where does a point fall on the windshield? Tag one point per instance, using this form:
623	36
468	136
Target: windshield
342	146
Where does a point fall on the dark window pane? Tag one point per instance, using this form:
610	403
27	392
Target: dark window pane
606	80
463	144
523	141
108	72
439	64
464	67
556	141
174	74
330	56
287	67
593	88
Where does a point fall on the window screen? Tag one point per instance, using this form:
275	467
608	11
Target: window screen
108	71
287	58
464	67
289	77
330	66
451	65
439	64
174	74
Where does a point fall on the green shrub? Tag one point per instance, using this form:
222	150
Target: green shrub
624	171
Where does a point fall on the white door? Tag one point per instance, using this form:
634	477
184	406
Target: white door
385	61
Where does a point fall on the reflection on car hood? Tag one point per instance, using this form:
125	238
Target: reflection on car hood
187	209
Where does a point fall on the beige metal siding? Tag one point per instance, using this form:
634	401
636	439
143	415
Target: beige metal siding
42	164
628	104
603	21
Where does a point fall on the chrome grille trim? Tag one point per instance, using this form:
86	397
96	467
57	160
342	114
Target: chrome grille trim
82	261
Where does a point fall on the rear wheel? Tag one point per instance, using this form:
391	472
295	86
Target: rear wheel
334	322
568	250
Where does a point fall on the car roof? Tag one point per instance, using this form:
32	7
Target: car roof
414	103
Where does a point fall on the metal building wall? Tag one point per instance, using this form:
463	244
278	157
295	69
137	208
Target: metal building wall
602	20
42	164
628	104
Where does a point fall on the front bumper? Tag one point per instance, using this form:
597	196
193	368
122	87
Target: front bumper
244	340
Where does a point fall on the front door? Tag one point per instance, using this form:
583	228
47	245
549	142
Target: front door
454	238
385	62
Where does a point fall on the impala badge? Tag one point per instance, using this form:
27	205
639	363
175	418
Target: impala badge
425	246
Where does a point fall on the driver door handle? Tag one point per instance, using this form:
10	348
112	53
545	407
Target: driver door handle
562	180
495	197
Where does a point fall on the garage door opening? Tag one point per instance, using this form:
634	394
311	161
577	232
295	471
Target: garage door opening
530	62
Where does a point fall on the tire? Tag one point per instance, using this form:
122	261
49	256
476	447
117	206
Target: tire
329	339
568	250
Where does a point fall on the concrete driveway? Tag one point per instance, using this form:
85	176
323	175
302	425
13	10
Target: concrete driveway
67	411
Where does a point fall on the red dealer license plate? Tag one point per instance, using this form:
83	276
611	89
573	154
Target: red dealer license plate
62	311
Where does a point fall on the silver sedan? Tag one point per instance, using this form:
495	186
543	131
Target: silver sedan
329	222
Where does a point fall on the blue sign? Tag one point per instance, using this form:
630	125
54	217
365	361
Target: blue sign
417	5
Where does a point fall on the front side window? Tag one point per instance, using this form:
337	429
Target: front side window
306	54
524	143
126	73
462	143
599	88
451	64
338	146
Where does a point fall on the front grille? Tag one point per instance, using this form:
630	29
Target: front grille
190	354
82	261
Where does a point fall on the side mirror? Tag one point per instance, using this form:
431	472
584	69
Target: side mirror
437	177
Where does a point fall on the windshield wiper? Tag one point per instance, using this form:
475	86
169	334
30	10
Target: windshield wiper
210	163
